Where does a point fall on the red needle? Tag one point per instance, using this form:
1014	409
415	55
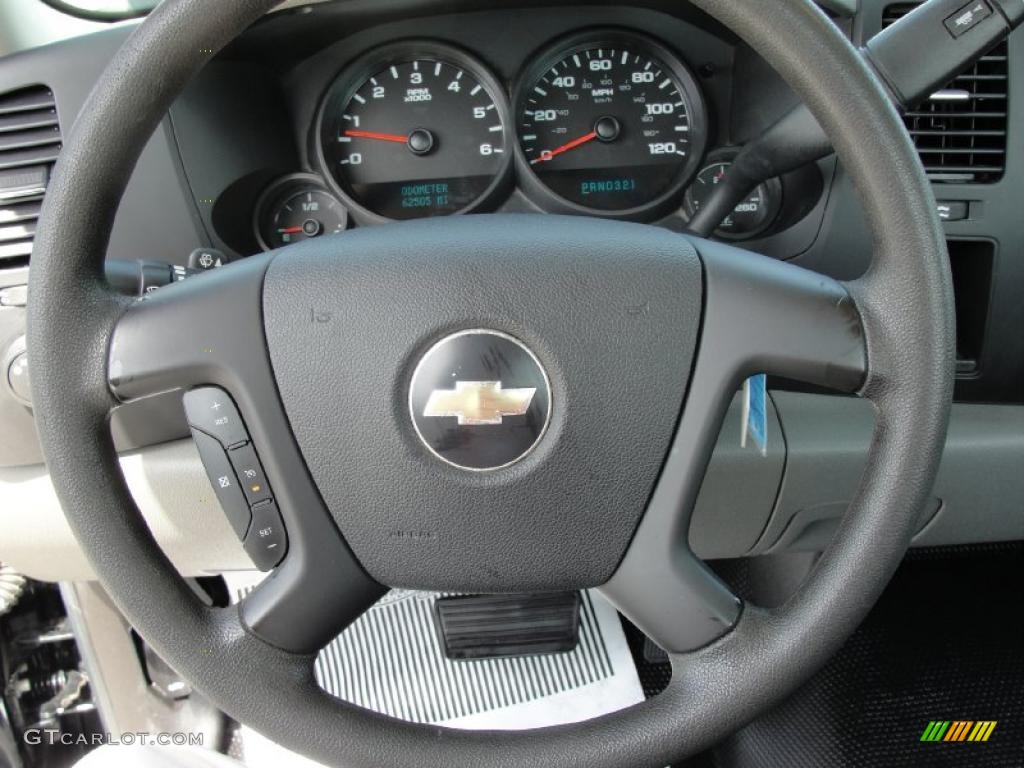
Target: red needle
290	230
378	136
548	155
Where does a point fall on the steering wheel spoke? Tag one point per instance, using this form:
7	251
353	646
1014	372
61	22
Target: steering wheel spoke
760	316
205	336
766	316
207	329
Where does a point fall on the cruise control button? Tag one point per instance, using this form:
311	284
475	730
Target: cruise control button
211	410
225	484
267	541
250	473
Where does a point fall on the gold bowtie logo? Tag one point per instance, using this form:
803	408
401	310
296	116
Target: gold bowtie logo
479	402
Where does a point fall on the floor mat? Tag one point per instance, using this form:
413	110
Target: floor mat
390	660
945	643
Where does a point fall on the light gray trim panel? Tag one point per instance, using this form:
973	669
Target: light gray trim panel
978	495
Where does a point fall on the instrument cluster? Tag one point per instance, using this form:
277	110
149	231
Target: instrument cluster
608	123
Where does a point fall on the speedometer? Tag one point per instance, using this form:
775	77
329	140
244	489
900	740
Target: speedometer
416	129
612	124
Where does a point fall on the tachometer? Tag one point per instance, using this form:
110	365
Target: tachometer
612	124
417	129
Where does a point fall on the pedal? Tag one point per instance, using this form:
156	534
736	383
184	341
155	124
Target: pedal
500	626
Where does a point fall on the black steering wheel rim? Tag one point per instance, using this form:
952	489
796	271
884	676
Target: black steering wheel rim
905	309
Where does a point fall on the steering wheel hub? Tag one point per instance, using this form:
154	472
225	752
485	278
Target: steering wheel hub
569	405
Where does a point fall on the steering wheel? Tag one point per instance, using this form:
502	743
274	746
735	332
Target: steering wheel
639	338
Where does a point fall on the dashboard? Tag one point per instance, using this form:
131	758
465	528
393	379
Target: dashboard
612	112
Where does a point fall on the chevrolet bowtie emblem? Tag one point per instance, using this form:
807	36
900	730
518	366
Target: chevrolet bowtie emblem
479	402
469	377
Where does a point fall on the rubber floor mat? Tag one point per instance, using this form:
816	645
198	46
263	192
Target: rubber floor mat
390	660
945	643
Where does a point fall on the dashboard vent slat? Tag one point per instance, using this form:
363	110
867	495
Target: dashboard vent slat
960	133
13	232
30	141
28	137
957	133
15	212
26	99
35	156
42	118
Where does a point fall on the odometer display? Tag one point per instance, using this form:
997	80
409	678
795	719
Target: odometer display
615	125
418	130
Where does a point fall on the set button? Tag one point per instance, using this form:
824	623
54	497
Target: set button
266	541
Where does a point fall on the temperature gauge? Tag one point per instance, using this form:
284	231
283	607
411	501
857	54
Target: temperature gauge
751	217
297	208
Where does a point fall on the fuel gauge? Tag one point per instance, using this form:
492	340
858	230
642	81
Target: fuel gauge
297	208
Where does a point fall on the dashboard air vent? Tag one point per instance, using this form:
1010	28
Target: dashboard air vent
29	143
960	132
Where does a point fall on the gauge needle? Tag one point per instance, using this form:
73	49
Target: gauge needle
548	155
377	136
289	230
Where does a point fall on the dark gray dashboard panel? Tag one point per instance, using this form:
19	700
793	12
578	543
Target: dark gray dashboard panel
157	219
231	125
